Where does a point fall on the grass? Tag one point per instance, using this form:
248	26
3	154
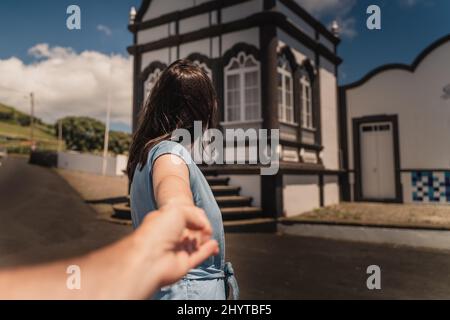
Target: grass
16	138
405	215
16	131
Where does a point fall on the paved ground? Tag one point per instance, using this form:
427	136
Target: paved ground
417	238
44	218
290	267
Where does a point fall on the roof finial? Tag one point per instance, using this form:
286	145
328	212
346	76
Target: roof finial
335	28
132	15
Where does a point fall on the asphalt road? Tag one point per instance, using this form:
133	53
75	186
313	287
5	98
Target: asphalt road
43	218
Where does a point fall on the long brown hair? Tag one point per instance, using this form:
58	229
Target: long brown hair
183	94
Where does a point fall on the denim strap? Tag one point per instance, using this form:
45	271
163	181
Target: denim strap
230	281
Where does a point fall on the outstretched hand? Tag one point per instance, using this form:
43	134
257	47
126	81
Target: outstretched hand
178	237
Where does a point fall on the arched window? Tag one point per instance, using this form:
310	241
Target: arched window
306	102
285	91
242	89
150	82
307	108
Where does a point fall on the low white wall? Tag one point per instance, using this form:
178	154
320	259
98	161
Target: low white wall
331	190
300	194
250	186
91	163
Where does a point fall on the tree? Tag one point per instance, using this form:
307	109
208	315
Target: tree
119	142
87	135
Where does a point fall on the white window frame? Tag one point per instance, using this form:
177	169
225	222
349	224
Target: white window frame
307	116
285	72
241	72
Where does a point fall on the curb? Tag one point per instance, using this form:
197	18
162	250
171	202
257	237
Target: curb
288	222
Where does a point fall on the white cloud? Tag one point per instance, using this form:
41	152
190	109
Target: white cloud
68	83
321	8
335	10
106	30
347	27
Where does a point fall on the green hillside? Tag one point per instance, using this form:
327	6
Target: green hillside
15	131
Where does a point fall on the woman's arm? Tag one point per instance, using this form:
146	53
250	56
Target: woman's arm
158	253
171	181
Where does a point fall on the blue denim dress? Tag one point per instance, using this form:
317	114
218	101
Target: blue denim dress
212	279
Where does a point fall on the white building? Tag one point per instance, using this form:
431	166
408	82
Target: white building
396	130
273	66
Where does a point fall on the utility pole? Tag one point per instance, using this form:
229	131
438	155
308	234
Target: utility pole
60	138
108	116
32	121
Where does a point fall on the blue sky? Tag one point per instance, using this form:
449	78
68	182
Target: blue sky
408	26
24	23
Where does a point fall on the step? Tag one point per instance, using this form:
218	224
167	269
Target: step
233	201
240	213
222	190
122	211
208	173
251	225
215	181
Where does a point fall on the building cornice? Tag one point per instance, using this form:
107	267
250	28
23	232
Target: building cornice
256	20
179	14
316	24
220	4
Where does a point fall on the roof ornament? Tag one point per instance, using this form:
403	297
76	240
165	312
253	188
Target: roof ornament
335	28
133	14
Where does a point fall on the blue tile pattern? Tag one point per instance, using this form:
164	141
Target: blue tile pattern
429	186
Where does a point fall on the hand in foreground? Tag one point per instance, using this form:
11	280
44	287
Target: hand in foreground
178	238
168	244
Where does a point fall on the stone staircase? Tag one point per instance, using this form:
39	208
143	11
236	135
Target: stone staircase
238	214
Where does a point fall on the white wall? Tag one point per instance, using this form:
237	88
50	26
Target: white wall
160	7
249	36
327	43
329	118
197	22
90	163
250	186
153	34
163	55
300	194
300	50
295	19
331	190
200	46
241	10
423	115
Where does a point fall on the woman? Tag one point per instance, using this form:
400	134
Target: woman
182	95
